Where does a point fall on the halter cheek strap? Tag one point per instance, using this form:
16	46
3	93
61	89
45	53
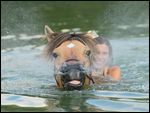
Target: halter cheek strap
90	78
58	81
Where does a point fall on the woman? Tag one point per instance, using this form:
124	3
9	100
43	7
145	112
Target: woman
101	61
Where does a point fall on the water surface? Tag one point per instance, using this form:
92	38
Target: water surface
27	82
26	74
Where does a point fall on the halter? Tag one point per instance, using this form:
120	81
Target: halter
76	37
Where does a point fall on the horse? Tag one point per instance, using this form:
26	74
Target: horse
71	54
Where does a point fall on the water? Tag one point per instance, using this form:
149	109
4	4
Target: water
25	72
119	19
27	82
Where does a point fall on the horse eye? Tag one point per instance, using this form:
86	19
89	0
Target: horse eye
55	55
88	52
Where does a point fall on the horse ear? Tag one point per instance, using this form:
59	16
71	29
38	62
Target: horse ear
48	32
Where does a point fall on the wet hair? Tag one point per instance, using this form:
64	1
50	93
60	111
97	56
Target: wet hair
102	40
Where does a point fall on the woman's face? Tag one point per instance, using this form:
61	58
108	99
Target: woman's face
101	55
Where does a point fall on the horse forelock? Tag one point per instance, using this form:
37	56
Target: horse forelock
59	38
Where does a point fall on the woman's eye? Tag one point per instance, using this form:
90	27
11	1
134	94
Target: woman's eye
88	52
55	55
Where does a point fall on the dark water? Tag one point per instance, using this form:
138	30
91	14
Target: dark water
118	19
27	82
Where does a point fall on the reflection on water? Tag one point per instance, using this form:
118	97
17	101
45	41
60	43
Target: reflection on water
22	101
25	72
86	100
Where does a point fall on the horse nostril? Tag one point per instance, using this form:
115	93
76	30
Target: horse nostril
67	67
71	72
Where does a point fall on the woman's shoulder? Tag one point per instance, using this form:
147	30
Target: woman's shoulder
115	72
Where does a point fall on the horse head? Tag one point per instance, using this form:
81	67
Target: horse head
71	54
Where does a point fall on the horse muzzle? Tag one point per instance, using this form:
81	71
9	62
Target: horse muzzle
72	76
